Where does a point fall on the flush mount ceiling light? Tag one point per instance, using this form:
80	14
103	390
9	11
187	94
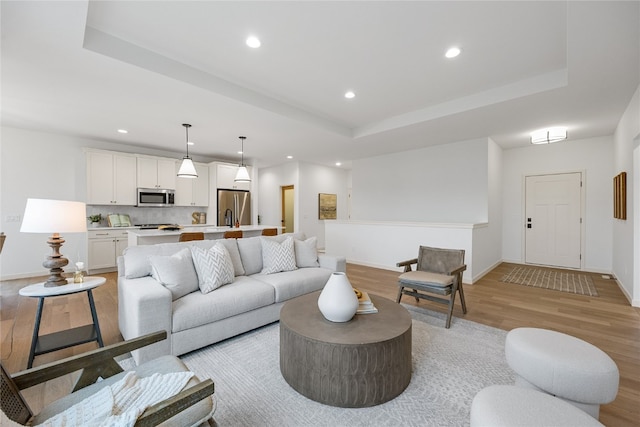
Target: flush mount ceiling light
452	52
549	136
253	42
243	174
349	95
187	169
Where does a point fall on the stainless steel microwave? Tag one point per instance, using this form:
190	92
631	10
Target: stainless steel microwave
155	197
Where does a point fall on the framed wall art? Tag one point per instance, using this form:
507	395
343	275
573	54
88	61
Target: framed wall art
327	206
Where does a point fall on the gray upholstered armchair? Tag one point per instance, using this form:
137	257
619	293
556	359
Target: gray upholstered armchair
438	271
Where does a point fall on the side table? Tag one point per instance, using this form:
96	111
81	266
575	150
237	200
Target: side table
70	337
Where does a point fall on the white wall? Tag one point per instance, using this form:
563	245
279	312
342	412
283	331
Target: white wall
592	156
308	180
316	179
441	184
625	259
270	182
45	166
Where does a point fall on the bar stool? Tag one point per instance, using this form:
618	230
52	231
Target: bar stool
232	234
188	236
270	232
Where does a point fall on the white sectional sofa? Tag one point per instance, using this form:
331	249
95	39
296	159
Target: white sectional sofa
166	287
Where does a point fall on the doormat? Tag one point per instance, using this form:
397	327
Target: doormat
562	281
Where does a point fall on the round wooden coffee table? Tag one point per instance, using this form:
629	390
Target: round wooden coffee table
363	362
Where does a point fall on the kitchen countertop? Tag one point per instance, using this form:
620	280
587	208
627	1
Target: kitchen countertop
154	236
204	228
135	227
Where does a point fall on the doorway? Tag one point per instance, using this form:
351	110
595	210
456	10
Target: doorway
553	220
287	209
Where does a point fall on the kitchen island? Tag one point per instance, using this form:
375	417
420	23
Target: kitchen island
151	237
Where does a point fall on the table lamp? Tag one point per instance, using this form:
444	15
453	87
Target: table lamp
55	217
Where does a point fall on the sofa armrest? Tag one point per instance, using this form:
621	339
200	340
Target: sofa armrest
120	265
333	262
145	306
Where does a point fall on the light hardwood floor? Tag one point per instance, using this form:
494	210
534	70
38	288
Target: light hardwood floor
607	321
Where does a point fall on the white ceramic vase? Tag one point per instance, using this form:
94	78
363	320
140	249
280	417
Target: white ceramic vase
338	302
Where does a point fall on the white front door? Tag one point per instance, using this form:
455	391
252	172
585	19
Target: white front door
553	223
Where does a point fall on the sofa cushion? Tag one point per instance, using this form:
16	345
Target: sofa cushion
251	253
214	267
277	256
136	258
243	295
176	272
306	252
291	284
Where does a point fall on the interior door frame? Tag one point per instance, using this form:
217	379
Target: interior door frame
283	189
523	214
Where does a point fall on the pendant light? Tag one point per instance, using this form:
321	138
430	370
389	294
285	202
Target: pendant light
187	169
242	175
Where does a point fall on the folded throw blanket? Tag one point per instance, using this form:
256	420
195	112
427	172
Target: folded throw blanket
121	404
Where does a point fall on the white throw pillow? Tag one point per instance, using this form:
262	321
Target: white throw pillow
277	256
306	252
175	272
214	267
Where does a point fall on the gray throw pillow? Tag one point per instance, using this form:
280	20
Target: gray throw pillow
251	253
306	252
175	272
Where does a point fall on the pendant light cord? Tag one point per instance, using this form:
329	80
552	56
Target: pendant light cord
186	127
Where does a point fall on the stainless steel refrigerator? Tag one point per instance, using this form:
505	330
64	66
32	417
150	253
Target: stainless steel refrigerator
234	205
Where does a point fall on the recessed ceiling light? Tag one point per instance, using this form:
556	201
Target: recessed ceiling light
289	157
240	152
452	52
190	143
123	131
349	95
338	164
253	42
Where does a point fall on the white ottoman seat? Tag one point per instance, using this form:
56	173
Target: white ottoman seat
564	366
509	406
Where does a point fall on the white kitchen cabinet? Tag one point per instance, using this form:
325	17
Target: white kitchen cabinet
193	191
104	248
156	172
226	174
111	178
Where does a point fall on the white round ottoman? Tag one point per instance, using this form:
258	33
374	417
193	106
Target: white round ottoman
509	406
564	366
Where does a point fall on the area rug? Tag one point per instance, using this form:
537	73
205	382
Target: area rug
545	278
449	367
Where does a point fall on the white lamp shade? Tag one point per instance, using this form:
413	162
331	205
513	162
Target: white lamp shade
187	169
54	216
242	175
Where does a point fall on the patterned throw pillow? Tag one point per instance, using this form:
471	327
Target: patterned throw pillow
277	256
214	267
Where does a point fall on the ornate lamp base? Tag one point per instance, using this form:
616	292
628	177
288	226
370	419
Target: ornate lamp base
55	262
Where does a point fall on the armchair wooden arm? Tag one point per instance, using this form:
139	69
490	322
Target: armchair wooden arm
166	409
407	264
457	270
94	364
